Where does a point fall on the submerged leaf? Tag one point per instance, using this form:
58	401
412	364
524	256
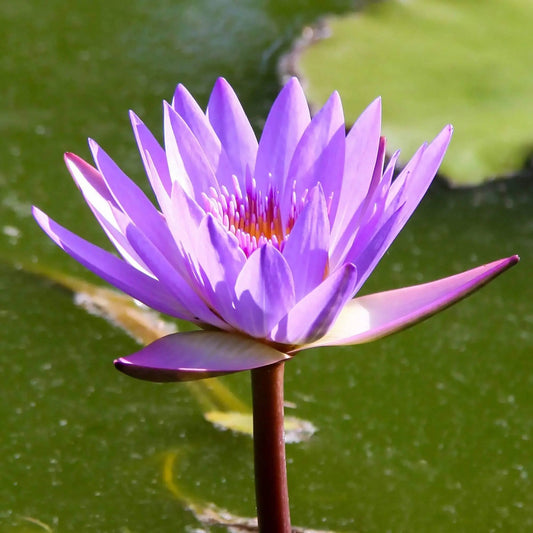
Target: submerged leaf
296	430
434	61
208	513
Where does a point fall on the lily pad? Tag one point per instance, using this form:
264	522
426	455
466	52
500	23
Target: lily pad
434	62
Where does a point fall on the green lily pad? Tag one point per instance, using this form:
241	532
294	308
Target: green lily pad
434	62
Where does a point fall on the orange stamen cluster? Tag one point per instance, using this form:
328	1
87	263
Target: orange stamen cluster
254	218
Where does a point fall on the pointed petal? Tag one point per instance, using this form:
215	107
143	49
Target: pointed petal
112	269
419	176
285	124
183	218
378	315
265	291
105	209
306	249
362	144
405	193
154	160
92	185
187	161
132	201
319	156
197	355
220	260
233	128
172	279
367	259
366	219
186	106
312	316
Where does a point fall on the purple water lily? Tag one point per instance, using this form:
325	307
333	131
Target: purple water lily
262	245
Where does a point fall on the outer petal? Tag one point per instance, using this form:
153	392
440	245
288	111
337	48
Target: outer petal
362	144
312	316
378	315
406	191
418	177
265	291
366	220
112	269
285	124
132	201
171	279
306	249
197	355
105	209
232	127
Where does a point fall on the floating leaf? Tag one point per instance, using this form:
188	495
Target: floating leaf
434	62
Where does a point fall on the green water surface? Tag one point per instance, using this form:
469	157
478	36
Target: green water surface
429	430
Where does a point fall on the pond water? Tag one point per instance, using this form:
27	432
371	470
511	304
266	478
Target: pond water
429	430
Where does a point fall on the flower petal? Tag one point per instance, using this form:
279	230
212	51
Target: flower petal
186	106
406	192
362	144
319	156
418	178
265	291
285	124
103	205
172	279
233	128
132	201
154	160
197	355
312	316
187	161
306	249
112	269
377	315
220	260
367	219
367	259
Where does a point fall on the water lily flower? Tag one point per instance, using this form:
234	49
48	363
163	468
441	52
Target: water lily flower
263	245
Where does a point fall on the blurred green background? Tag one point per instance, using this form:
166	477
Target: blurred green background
429	430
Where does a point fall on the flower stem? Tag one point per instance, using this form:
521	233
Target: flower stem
271	492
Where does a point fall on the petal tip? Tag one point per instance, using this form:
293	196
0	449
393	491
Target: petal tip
134	118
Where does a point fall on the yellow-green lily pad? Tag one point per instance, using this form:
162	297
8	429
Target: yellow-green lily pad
434	62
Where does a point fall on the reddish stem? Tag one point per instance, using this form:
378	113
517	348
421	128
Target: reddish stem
271	492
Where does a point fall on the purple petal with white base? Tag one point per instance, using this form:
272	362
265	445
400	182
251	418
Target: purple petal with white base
313	315
377	315
198	355
267	243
